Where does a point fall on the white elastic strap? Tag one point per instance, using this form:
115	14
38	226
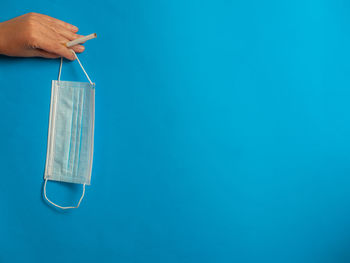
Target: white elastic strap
82	67
64	207
59	73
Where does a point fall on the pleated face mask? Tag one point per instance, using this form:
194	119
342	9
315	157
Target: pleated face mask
71	133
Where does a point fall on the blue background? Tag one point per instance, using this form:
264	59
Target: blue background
222	135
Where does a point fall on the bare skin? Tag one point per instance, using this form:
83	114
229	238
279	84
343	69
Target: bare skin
37	35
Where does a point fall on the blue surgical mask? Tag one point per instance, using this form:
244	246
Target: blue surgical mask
71	133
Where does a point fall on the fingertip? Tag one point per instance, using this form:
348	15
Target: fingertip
79	48
70	57
72	54
75	29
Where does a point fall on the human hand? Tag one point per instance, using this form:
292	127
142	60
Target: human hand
37	35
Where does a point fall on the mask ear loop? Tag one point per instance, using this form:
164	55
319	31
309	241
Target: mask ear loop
64	207
82	67
59	73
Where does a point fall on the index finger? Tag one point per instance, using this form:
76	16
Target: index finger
60	22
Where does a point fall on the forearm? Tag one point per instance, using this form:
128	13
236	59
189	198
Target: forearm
2	39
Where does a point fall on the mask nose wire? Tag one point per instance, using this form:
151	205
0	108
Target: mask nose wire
64	207
59	73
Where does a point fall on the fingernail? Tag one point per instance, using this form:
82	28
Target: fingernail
75	28
81	48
